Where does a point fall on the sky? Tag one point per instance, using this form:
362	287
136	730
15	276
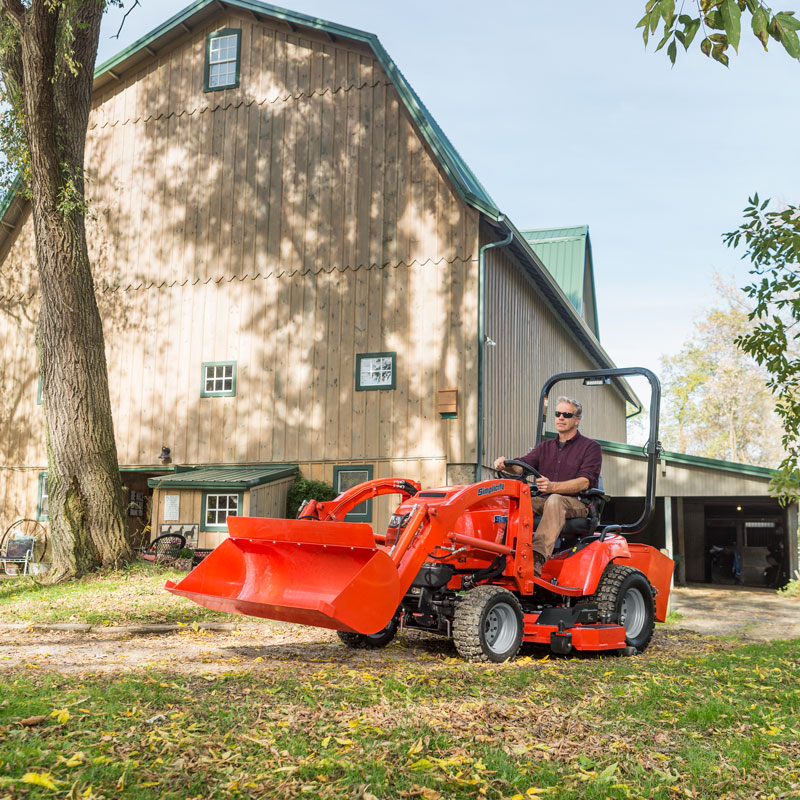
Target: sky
566	119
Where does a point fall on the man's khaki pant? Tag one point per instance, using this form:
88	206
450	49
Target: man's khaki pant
555	509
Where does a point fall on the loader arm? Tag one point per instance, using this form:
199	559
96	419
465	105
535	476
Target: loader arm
337	509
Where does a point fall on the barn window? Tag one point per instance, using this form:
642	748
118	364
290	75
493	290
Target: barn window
346	477
218	507
222	59
375	371
219	379
43	506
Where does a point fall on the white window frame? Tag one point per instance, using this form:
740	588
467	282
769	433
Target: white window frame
231	39
221	373
217	510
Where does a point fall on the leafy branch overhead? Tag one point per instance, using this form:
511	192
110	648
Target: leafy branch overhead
720	24
772	241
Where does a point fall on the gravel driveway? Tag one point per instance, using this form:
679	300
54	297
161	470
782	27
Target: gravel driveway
746	613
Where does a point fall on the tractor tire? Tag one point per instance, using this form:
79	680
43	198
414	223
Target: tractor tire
371	641
625	596
487	625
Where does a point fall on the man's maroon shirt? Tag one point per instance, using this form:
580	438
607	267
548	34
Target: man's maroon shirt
579	457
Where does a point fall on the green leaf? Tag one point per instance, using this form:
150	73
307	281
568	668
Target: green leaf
672	51
732	19
690	32
760	23
664	39
791	43
719	38
714	20
668	10
788	21
655	18
718	54
705	46
643	21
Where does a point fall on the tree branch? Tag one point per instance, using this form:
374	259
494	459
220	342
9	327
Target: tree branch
15	10
116	35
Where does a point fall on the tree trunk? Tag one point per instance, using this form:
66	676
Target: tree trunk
84	485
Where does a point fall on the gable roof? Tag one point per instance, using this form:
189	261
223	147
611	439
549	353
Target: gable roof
567	254
196	14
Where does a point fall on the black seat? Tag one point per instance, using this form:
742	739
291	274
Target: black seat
577	528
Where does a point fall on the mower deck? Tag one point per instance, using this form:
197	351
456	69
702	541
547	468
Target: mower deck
562	639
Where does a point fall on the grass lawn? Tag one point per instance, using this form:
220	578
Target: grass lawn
129	596
722	724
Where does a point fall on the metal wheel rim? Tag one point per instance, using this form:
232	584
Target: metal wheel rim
633	613
500	628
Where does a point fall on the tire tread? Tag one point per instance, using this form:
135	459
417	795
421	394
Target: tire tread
608	590
467	621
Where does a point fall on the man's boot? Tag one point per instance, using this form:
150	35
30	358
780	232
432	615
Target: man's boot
538	563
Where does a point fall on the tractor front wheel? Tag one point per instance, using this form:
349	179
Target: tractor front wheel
372	641
487	625
624	596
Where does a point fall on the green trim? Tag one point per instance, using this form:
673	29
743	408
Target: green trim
449	415
227	393
224	526
41	515
148	469
216	35
355	516
692	461
360	357
623	449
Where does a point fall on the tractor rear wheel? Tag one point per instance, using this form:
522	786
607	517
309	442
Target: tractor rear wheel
371	641
624	596
487	625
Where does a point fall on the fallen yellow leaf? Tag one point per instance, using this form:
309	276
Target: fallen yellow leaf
40	779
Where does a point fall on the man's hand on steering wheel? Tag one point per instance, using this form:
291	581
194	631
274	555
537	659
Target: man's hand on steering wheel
527	471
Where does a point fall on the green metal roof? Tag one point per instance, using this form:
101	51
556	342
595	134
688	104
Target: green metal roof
567	254
229	478
455	166
749	470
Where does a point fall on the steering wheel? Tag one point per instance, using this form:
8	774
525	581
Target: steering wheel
527	470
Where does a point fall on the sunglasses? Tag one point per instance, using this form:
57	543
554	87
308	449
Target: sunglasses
565	414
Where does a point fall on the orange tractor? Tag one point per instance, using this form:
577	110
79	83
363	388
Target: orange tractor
455	561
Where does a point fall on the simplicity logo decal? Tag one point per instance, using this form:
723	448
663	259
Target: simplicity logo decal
497	487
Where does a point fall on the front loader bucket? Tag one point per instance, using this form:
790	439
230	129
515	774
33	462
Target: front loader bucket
326	574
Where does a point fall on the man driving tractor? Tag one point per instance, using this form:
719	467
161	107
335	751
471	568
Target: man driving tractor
569	464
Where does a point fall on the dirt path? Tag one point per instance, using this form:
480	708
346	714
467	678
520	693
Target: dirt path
707	614
746	613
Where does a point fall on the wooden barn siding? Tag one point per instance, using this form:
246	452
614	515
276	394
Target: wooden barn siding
294	339
21	418
19	494
531	346
625	476
269	500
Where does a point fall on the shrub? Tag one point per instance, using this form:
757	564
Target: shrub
303	489
185	552
792	589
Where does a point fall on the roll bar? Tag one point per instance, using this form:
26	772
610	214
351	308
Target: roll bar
653	446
